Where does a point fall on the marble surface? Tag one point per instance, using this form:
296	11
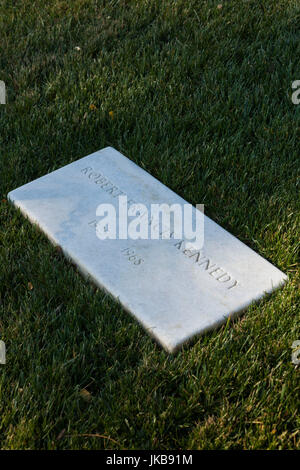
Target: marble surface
175	293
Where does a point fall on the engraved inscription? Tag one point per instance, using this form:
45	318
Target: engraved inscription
206	264
212	268
104	183
132	256
197	257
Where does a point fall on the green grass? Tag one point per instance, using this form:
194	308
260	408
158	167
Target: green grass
201	98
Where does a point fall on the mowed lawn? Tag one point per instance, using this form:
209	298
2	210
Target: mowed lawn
199	96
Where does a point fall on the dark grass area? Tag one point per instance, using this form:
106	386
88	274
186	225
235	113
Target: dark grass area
201	99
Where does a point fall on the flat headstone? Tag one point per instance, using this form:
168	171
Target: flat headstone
174	292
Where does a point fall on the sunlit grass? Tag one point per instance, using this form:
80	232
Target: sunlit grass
200	97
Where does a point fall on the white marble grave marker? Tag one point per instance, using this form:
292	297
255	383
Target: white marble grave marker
174	292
